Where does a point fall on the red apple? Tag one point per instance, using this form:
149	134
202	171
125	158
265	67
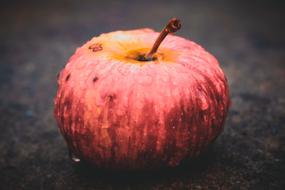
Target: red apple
119	106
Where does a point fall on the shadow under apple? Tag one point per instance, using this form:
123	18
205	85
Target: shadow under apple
187	170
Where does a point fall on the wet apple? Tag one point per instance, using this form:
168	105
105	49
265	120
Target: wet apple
140	99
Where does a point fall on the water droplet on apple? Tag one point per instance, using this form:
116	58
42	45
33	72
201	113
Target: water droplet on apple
86	75
82	86
120	112
165	79
105	126
145	80
168	94
80	63
156	108
122	70
203	103
136	121
73	157
204	106
140	104
176	92
200	88
116	78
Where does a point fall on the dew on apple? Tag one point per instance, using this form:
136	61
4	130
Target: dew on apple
140	104
80	63
165	79
156	113
73	157
122	70
145	80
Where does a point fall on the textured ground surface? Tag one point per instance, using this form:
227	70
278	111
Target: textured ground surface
37	39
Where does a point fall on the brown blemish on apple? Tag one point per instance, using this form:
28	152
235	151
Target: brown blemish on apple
109	99
96	47
67	77
95	79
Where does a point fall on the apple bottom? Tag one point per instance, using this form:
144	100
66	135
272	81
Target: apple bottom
110	141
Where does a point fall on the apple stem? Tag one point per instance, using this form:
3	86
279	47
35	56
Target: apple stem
173	25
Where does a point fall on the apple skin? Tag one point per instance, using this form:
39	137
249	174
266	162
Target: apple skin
119	113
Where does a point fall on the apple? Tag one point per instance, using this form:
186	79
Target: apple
123	103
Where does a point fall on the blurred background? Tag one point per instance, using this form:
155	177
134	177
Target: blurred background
247	37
